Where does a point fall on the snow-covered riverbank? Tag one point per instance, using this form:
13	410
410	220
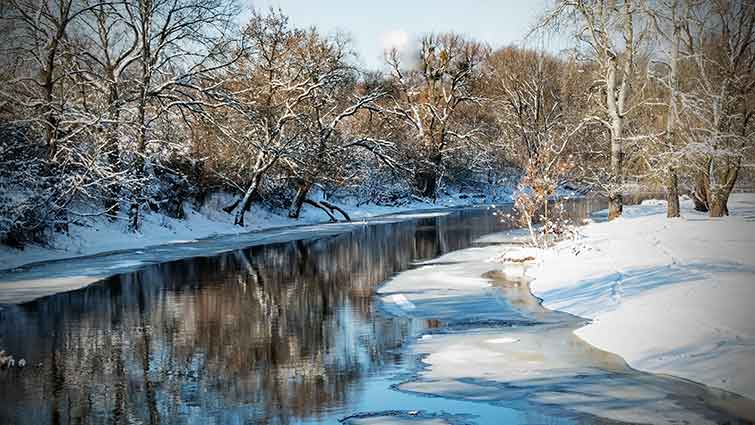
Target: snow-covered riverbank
669	296
98	235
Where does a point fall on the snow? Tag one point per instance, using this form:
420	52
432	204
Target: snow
497	343
544	366
671	296
100	235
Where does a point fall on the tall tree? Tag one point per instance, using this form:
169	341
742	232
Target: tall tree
720	37
179	41
668	18
39	39
284	99
264	92
607	28
428	99
324	117
109	43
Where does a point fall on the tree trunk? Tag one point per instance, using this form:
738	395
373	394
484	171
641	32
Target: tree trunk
316	204
700	195
249	195
51	115
145	59
139	166
615	198
672	195
334	207
615	205
298	201
427	178
229	209
672	190
112	202
137	193
718	207
718	197
426	181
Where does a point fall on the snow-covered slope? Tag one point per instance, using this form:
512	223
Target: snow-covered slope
669	296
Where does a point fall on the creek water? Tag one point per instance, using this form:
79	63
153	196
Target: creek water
284	332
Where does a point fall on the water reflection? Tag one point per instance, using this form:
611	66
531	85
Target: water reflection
265	335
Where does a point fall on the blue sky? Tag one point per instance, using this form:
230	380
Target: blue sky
375	24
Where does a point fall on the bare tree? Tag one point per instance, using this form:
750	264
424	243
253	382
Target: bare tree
324	116
110	42
668	18
264	91
329	145
51	103
539	113
179	41
428	98
285	104
38	40
719	37
608	30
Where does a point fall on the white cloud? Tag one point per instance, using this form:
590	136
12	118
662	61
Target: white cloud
395	39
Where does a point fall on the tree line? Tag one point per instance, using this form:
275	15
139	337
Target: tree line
122	107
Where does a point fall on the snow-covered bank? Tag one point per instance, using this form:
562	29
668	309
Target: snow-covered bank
669	296
98	235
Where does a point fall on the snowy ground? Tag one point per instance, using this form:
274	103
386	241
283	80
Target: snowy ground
669	296
100	235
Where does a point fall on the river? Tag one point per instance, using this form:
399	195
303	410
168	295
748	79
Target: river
290	331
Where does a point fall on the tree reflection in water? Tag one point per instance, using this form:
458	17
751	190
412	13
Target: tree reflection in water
263	335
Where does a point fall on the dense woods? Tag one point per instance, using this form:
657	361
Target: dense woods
128	107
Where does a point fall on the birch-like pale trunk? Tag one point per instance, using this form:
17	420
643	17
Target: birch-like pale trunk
615	198
616	99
